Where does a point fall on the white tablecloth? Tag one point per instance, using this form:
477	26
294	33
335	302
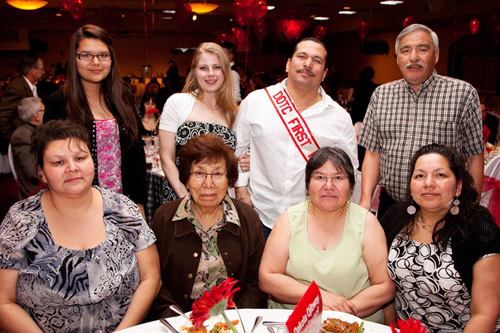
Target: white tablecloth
248	317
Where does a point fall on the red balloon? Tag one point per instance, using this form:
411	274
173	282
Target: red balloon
291	29
363	29
77	10
249	11
67	4
474	26
239	37
320	32
260	31
182	12
408	21
222	38
261	9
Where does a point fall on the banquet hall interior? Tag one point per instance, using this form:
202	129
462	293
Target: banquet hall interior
149	33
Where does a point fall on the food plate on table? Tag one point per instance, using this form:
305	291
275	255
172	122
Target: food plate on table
248	318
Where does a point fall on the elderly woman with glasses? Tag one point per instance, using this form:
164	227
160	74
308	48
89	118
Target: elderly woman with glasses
329	240
206	236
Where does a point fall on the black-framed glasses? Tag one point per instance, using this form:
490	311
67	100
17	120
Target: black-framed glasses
90	57
200	176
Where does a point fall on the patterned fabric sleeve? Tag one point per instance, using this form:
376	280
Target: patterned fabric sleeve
471	127
369	131
18	228
124	213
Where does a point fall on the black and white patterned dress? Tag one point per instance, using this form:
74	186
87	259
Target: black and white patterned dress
189	130
428	286
67	290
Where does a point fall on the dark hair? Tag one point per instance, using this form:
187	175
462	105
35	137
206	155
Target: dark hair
28	61
209	147
145	98
452	225
312	39
115	92
56	130
339	159
367	73
230	47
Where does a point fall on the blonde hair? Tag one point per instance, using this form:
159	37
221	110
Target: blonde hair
225	97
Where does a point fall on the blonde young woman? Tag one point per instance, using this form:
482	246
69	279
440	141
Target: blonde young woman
205	106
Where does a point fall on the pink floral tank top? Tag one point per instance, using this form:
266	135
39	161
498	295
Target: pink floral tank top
109	156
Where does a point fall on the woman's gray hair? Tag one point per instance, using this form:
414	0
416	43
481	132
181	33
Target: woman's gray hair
416	27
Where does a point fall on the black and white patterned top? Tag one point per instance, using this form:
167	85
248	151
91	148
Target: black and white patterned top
67	290
189	130
428	287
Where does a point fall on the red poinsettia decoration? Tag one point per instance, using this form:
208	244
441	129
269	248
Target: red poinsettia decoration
214	303
410	326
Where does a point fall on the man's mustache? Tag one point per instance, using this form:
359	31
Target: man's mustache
309	71
415	64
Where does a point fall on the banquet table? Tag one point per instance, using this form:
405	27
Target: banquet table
248	317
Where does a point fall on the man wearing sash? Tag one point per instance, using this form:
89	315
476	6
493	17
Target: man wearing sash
282	126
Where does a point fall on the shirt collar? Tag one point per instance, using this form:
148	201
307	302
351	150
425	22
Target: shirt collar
32	86
325	98
424	85
185	210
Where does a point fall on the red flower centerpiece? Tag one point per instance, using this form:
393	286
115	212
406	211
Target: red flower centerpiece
410	326
215	303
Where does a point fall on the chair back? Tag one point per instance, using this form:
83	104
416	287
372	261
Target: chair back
11	162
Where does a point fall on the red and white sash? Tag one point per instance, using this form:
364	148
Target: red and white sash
294	123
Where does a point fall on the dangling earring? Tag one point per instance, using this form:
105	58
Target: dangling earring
308	201
455	209
411	208
348	203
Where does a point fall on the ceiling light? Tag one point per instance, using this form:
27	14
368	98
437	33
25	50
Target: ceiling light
347	8
202	7
391	2
321	18
169	11
270	7
27	4
194	17
347	12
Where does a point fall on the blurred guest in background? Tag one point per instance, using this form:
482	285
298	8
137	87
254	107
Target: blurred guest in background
74	258
94	96
230	49
149	114
207	237
330	240
360	93
443	248
30	111
30	69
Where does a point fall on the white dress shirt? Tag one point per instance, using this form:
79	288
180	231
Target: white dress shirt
276	180
32	87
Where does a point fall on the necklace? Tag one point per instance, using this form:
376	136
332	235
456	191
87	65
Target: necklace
424	226
211	110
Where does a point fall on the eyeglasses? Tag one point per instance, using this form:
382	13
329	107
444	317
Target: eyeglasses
90	57
200	176
324	180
